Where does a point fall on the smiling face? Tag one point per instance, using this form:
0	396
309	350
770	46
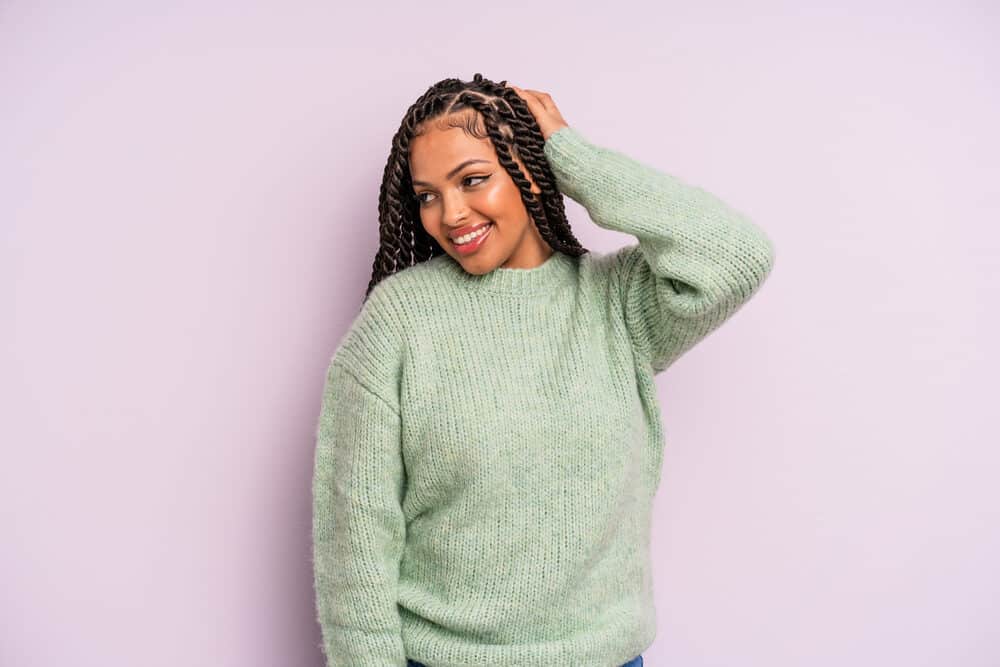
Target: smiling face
464	191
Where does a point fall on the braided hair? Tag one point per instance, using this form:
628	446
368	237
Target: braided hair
513	131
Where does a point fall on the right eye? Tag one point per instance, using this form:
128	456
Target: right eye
481	179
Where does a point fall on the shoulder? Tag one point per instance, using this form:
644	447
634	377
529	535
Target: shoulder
374	347
609	270
416	279
370	350
405	295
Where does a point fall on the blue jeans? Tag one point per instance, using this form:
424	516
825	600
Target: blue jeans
634	662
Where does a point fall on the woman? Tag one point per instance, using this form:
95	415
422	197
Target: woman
489	442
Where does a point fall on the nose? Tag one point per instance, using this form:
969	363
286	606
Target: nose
454	210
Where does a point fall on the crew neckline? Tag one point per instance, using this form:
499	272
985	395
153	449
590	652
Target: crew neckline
554	271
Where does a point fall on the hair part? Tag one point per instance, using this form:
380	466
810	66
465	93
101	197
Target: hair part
493	111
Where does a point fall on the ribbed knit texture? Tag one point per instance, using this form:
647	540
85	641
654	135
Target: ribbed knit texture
488	447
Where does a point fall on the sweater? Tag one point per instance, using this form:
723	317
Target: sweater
489	446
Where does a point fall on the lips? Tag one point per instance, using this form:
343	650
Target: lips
454	234
477	242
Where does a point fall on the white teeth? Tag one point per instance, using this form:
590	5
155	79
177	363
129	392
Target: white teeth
471	235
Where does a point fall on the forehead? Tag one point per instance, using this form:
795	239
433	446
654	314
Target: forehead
439	149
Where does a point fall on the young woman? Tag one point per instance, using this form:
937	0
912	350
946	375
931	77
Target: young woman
489	442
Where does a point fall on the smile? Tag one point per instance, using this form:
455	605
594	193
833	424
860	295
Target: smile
472	241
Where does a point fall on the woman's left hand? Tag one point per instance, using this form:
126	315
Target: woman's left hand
544	110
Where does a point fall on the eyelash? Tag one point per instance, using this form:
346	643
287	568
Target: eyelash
483	180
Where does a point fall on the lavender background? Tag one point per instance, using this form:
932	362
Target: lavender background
188	205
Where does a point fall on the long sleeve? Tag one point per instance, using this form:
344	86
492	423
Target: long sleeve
697	260
358	524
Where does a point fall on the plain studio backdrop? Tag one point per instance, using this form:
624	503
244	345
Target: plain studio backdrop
188	202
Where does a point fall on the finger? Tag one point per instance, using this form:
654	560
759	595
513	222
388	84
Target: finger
529	97
525	94
543	98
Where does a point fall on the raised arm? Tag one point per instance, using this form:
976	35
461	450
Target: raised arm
697	260
358	523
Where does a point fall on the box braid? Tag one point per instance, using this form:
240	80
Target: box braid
513	130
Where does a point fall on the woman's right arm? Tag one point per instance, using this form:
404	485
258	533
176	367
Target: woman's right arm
358	484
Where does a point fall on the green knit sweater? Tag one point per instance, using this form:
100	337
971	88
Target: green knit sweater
488	447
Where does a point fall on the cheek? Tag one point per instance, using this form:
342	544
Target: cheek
428	223
503	202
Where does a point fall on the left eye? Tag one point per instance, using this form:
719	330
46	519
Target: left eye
480	178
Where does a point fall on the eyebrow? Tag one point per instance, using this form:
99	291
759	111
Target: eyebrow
455	170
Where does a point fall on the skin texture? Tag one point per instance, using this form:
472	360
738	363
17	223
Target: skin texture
479	192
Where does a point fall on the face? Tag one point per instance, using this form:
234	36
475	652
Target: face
463	191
